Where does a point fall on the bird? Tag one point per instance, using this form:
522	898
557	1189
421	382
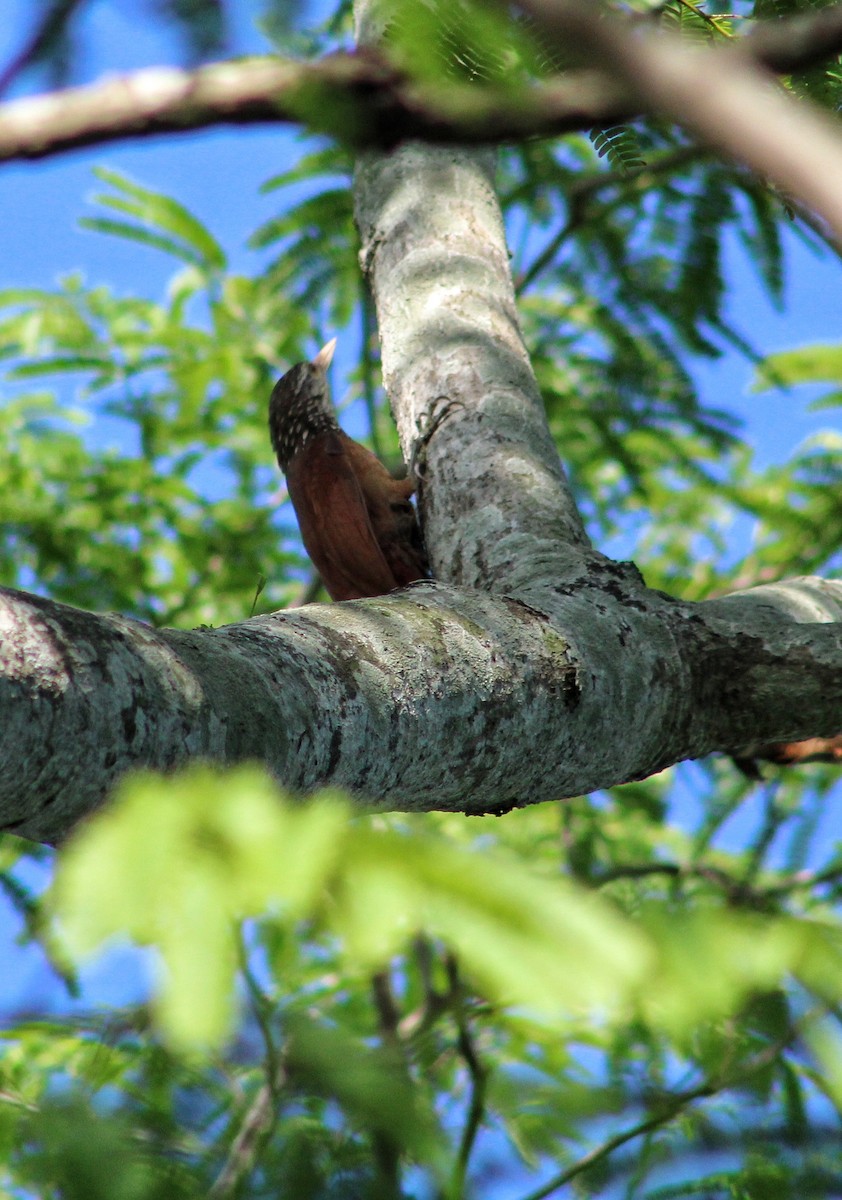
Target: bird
357	523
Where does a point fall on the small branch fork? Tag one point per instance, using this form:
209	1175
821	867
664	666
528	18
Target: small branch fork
663	1111
403	1032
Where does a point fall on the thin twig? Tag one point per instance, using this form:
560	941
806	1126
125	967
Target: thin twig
53	24
260	1118
385	1148
478	1074
670	1106
805	879
706	17
613	1143
736	889
417	1023
261	1006
255	1127
388	1013
585	188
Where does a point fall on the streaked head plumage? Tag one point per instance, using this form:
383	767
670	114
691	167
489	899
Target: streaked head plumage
300	407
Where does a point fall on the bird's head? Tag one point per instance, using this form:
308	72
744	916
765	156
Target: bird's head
300	406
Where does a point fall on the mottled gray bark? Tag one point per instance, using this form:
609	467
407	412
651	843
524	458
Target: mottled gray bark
458	373
430	698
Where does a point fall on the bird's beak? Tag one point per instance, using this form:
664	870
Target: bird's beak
324	357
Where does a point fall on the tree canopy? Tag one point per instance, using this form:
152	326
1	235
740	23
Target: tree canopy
561	917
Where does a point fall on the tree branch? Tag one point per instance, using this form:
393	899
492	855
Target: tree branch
457	371
429	698
359	98
364	100
45	38
799	42
478	1074
665	1109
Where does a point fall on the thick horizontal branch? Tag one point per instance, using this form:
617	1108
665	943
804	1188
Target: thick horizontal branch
364	100
428	698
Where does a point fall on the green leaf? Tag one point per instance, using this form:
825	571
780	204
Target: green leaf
137	233
176	862
515	932
58	362
621	146
808	364
825	1042
711	959
164	213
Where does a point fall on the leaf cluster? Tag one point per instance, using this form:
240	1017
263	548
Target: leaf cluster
623	279
411	993
141	492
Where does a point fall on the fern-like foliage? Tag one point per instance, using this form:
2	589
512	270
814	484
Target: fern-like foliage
630	278
690	20
464	39
620	145
314	241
